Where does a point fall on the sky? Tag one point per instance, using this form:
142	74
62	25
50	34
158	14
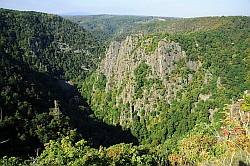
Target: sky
167	8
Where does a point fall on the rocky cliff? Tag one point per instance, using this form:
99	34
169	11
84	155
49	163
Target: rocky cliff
141	70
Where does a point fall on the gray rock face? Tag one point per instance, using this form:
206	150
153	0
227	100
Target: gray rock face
123	58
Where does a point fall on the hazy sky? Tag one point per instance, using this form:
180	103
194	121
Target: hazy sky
168	8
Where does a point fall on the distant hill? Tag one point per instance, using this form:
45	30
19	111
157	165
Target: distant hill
113	27
108	27
75	14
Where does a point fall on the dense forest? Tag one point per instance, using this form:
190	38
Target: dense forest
113	27
41	57
124	90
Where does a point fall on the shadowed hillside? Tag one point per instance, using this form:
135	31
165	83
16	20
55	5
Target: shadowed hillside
36	104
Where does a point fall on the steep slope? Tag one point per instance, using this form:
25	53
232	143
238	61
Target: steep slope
37	52
160	86
49	43
135	85
168	89
140	75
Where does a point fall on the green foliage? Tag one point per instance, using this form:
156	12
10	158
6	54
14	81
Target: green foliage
246	103
49	43
63	152
12	161
227	145
141	73
112	27
32	59
219	53
214	47
38	50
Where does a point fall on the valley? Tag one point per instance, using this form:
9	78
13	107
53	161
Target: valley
124	90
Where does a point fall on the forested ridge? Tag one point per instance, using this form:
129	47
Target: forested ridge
39	64
129	90
113	27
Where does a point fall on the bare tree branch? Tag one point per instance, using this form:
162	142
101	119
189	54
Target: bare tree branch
4	141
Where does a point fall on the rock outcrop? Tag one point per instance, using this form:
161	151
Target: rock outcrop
161	57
